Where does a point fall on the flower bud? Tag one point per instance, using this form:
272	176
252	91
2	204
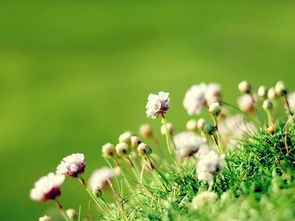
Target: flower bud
108	150
146	131
98	192
214	108
262	92
267	105
144	150
185	152
244	87
135	141
125	137
72	214
280	88
209	129
201	123
271	94
122	149
169	127
192	125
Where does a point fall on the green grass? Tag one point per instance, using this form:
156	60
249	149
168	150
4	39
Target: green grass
258	182
75	74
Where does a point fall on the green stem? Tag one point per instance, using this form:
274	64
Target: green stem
110	165
62	211
220	149
94	198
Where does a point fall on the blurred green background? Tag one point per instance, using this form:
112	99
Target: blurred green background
76	74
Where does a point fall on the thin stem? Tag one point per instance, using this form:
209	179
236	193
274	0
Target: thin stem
110	165
62	211
94	198
218	135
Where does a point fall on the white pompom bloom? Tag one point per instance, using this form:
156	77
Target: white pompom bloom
200	95
47	187
194	99
100	178
209	166
72	165
246	103
291	100
203	199
187	143
45	218
233	129
213	93
157	104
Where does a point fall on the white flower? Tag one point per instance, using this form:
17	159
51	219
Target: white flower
233	129
213	93
99	178
200	95
187	143
45	218
72	165
47	187
203	150
209	166
246	103
202	199
291	100
157	104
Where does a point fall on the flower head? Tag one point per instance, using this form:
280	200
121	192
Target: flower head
246	103
108	150
200	95
146	131
125	137
157	104
72	165
47	187
187	143
209	166
100	178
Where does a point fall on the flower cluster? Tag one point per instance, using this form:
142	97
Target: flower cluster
157	104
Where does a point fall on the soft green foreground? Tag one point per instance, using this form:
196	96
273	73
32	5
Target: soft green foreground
75	74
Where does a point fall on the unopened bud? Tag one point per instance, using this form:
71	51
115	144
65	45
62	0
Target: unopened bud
244	87
144	150
271	94
135	141
214	108
262	92
201	123
209	129
125	137
146	131
170	129
267	105
72	214
192	125
280	88
108	150
122	149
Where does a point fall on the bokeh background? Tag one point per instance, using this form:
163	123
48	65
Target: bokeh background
76	74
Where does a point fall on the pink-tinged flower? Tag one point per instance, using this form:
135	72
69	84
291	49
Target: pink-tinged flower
72	165
200	95
157	104
209	166
100	178
47	187
246	103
